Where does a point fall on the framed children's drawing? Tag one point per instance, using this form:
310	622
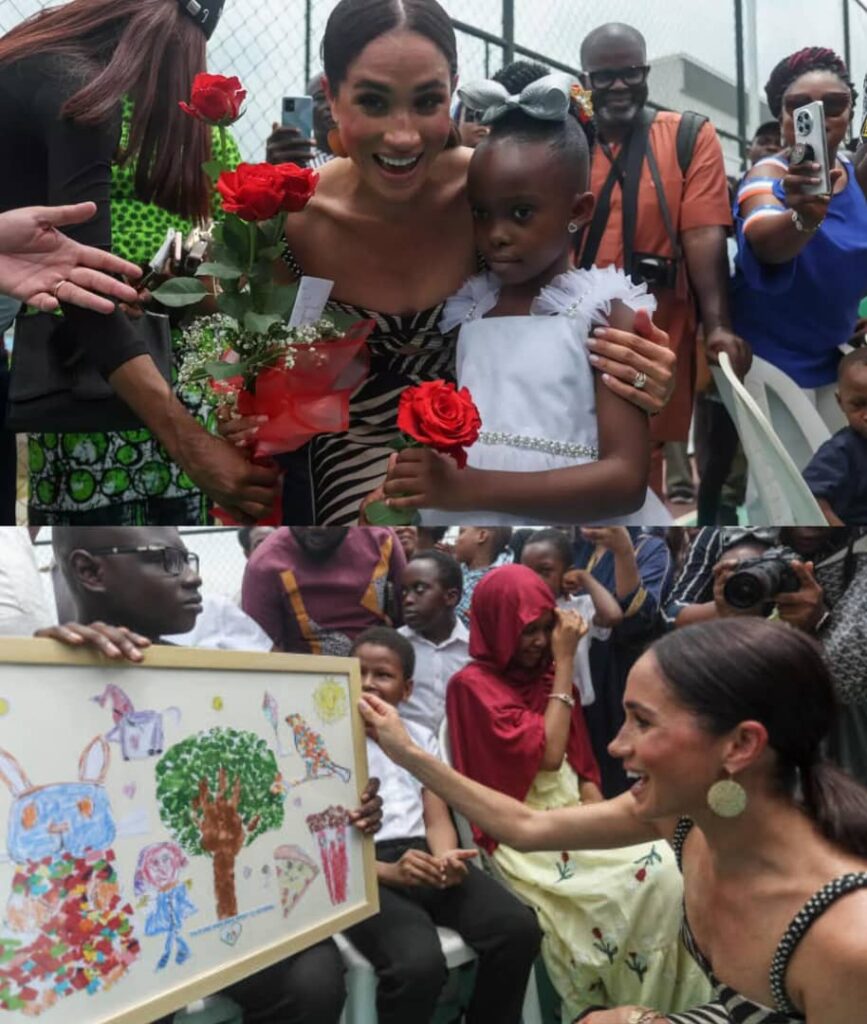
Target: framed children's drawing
171	827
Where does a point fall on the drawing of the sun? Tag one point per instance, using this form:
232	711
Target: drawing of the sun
4	706
330	700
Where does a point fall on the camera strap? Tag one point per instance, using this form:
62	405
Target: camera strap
600	212
663	204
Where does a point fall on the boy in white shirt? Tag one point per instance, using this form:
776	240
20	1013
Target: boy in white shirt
430	591
425	880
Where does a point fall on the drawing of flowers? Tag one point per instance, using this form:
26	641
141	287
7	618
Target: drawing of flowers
605	945
565	867
637	963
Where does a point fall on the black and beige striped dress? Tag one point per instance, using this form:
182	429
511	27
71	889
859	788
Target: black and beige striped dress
404	350
729	1006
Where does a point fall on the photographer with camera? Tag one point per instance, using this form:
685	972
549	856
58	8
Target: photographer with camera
662	213
801	217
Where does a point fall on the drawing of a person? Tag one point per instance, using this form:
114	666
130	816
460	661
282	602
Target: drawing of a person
156	874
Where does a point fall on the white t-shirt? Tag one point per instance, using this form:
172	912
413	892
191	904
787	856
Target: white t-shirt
223	625
23	606
435	664
583	604
402	809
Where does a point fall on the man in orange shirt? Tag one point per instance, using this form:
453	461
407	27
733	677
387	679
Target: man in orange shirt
614	59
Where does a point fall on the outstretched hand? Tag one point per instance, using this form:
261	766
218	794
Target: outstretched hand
41	266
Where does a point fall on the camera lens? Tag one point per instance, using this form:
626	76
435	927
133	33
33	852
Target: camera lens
805	122
744	589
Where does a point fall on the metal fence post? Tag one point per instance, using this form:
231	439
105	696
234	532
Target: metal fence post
741	82
847	36
308	40
509	31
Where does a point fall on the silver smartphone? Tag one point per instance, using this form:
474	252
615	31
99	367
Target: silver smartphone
298	113
811	145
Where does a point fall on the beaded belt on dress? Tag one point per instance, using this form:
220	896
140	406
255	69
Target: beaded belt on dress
539	444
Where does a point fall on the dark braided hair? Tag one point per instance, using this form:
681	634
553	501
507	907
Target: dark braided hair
811	58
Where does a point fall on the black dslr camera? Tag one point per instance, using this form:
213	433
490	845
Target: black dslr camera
654	271
758	580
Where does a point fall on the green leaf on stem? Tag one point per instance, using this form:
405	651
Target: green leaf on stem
270	252
279	299
377	513
180	291
260	323
213	169
233	305
225	271
271	230
236	235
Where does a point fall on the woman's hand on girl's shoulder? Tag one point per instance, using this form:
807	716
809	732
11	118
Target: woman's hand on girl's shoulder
623	356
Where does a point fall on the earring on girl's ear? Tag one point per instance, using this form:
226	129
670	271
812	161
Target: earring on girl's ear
573	227
335	142
727	798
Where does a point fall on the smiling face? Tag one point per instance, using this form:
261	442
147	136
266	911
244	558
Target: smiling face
662	744
827	88
393	112
533	649
382	673
523	199
619	102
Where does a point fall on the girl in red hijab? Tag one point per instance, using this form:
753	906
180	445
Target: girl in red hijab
610	919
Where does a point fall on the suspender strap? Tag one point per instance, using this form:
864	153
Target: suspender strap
637	148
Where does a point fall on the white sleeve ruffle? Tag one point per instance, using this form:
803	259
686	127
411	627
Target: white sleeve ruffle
478	296
586	295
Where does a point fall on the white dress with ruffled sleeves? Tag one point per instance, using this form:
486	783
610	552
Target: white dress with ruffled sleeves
533	383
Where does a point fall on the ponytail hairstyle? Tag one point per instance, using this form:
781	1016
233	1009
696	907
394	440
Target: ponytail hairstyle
150	51
734	670
789	69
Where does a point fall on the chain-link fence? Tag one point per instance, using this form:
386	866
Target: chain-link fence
273	45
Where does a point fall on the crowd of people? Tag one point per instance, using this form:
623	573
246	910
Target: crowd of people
593	683
616	260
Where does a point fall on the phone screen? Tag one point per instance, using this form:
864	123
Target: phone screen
298	113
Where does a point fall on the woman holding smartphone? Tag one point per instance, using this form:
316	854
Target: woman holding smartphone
801	267
63	75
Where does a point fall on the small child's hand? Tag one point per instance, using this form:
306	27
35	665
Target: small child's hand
454	865
422	478
418	867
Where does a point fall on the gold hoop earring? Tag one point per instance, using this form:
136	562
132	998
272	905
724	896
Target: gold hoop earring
727	798
335	142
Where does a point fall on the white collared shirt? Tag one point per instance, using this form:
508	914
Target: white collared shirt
583	604
402	805
435	664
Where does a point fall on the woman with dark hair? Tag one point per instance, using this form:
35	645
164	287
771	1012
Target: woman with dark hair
63	76
610	919
392	227
724	724
801	267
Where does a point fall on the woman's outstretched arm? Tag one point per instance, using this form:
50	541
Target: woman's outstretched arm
604	825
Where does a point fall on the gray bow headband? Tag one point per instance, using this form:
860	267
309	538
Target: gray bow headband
546	99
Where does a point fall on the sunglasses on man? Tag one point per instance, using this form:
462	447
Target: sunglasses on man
604	78
835	103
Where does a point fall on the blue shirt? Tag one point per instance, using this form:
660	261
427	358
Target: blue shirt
796	314
838	473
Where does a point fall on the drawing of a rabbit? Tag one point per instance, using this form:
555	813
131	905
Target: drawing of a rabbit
72	931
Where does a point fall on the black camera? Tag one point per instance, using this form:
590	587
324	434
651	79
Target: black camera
758	580
654	271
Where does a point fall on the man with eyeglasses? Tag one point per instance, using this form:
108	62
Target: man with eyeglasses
136	585
669	231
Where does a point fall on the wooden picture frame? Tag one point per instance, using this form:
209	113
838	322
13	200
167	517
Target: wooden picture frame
123	819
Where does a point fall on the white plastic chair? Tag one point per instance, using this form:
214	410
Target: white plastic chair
793	417
783	493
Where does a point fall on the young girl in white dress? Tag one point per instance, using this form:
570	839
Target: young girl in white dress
557	445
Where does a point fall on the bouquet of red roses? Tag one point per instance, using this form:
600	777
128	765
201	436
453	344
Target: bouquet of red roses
437	415
300	376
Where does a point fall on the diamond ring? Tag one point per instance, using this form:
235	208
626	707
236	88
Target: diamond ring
640	380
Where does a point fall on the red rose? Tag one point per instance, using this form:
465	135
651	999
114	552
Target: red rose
438	415
257	192
215	99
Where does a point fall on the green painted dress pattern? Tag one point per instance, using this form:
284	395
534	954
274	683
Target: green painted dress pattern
122	477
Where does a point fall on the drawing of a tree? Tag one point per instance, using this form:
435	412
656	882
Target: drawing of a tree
218	792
